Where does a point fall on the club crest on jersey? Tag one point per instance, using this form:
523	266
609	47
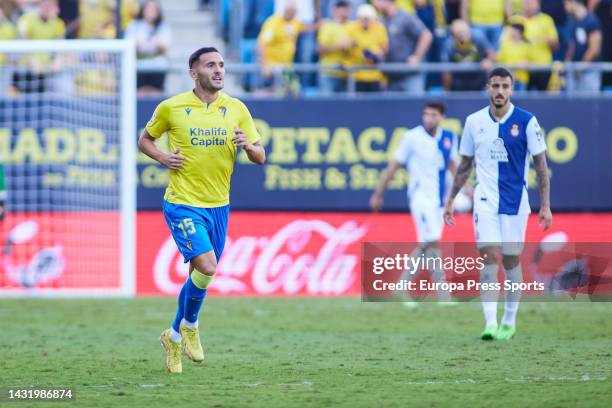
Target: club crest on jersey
447	143
514	131
187	111
222	110
498	151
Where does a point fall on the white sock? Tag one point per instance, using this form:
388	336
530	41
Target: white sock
189	324
437	274
408	273
489	298
175	336
514	275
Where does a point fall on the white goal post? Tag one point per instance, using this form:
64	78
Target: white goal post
68	149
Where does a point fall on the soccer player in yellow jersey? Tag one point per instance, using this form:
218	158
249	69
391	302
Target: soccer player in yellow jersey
206	128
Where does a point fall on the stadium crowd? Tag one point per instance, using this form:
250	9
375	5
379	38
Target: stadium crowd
341	34
141	20
346	33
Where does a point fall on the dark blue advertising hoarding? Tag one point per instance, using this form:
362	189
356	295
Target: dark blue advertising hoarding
328	154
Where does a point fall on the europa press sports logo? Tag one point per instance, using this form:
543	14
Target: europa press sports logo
27	264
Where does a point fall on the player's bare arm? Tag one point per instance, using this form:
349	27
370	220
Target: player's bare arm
541	168
254	151
461	176
173	160
376	200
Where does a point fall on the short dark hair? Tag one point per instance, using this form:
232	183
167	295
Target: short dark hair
437	105
583	2
342	3
500	72
197	54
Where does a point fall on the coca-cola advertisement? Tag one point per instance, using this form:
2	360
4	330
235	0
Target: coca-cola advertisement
311	254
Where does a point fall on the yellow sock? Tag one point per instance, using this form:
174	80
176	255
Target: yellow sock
200	279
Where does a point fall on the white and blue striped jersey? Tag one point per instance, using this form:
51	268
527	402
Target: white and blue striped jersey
426	159
500	151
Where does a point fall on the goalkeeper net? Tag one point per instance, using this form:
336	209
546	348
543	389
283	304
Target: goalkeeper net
67	145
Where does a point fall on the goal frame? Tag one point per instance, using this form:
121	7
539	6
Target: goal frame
127	161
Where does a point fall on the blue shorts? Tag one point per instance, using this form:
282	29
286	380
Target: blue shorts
197	230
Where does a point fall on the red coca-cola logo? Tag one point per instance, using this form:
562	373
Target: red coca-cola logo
310	257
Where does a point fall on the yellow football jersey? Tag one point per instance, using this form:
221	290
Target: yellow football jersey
279	38
330	34
486	12
538	30
512	52
7	32
373	39
32	27
203	133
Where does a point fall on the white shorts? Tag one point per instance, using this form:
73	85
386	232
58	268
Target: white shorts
428	219
506	231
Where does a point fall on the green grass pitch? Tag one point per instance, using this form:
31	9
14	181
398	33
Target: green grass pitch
308	353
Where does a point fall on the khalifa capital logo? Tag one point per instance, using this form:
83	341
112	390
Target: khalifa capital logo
498	151
187	111
44	264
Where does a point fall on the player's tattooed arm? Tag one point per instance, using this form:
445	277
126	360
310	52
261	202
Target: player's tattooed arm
541	169
461	176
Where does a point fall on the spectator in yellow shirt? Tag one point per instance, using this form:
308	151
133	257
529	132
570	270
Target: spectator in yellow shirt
371	45
333	45
97	17
487	17
277	41
40	24
514	50
7	32
541	33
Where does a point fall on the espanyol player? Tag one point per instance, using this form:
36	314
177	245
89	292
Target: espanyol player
498	139
428	152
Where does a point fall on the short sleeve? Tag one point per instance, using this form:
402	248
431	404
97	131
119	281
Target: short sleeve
160	120
593	24
535	139
267	31
414	26
466	144
402	154
323	36
245	122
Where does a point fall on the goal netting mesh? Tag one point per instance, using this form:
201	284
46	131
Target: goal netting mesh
67	145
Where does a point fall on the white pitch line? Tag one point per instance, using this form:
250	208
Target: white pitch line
583	378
